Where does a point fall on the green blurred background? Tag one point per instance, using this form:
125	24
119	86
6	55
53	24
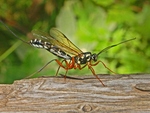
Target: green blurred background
90	24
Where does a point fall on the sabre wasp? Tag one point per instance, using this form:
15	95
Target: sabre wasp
58	44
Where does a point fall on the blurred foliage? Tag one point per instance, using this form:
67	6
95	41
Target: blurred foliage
90	24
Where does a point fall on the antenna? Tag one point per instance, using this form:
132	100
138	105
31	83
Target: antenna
12	32
105	49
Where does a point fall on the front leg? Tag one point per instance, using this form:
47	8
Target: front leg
95	63
92	70
79	66
103	65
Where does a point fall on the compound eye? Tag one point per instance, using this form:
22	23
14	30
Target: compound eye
94	57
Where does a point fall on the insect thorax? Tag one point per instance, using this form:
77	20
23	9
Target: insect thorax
85	57
49	47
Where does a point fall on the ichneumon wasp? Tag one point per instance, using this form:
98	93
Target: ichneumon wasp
58	44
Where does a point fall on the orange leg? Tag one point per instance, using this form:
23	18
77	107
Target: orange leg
79	66
67	67
59	65
94	64
103	65
92	70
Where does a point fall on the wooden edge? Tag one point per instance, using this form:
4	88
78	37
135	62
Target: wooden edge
123	93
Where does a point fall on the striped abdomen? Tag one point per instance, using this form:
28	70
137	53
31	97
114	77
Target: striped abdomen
49	47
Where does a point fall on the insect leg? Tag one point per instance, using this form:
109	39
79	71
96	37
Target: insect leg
79	66
59	65
69	65
65	74
92	70
94	64
40	69
103	65
66	68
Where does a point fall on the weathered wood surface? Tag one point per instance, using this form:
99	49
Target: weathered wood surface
123	93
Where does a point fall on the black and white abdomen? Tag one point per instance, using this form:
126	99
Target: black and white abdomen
49	47
39	44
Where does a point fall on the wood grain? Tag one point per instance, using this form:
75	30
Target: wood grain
123	93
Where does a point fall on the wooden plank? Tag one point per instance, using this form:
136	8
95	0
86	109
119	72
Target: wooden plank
123	93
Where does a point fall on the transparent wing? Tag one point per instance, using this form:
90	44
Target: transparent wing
59	40
41	35
63	42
